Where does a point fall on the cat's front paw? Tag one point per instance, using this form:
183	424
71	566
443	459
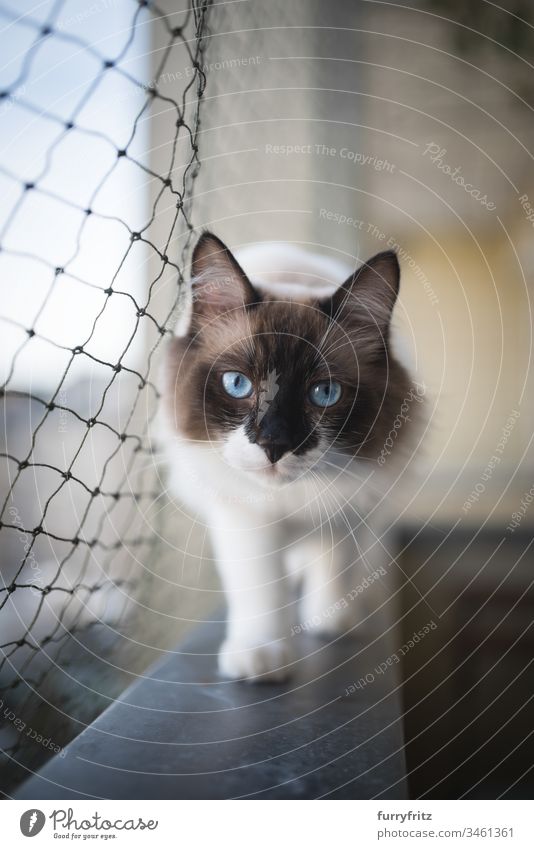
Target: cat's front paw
265	662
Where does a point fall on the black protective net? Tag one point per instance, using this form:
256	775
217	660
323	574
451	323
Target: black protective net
90	284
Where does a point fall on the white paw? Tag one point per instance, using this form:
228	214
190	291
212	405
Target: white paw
265	662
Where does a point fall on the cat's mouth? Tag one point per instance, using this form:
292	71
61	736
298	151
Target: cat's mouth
269	473
273	473
245	456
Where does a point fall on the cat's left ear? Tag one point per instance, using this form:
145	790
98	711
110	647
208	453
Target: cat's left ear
370	293
219	284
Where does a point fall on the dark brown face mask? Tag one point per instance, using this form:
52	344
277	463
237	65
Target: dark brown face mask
337	383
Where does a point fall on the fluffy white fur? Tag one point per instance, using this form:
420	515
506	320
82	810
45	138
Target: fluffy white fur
269	528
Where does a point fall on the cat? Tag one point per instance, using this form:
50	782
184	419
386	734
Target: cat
281	390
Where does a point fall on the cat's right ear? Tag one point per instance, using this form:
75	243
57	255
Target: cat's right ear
218	282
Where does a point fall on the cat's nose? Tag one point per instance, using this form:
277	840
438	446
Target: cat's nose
274	448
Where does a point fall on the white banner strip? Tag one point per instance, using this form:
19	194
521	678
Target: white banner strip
265	824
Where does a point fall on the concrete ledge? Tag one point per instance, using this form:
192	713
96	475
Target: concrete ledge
181	733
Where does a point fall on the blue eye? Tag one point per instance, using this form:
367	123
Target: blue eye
236	384
325	394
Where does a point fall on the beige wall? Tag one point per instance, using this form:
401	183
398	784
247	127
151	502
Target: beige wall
474	344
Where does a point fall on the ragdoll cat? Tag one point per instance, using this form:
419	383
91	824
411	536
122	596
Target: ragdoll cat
281	389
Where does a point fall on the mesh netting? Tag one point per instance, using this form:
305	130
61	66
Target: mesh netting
90	287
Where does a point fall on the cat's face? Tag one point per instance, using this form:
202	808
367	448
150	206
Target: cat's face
275	384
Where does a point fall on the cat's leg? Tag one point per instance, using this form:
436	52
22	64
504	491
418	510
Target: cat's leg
257	590
329	565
